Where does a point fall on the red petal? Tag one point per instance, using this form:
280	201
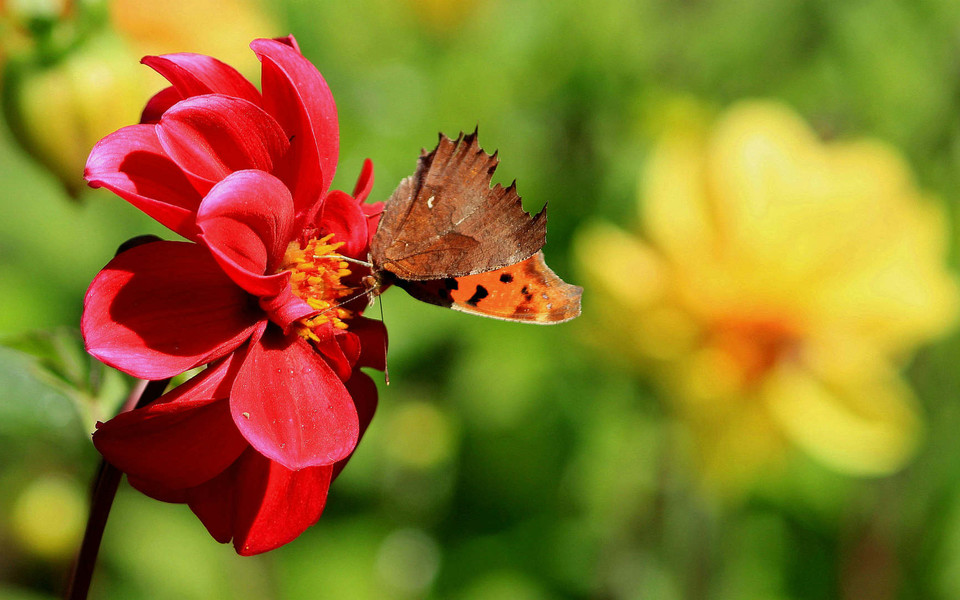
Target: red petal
213	502
290	41
196	74
247	221
212	136
350	346
373	212
373	342
340	215
185	438
364	393
157	491
364	182
274	505
159	104
341	352
161	308
286	308
291	406
131	163
297	96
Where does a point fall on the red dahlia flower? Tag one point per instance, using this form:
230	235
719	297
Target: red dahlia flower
253	441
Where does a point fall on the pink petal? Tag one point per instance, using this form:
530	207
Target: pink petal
364	182
183	439
247	221
131	163
161	308
212	136
273	504
340	215
196	74
364	393
291	406
159	103
298	97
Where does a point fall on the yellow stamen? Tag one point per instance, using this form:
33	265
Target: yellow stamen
317	273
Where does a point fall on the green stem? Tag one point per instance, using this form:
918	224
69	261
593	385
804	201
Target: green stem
104	491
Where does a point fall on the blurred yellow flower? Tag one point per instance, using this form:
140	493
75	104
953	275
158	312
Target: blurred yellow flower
220	28
74	80
779	285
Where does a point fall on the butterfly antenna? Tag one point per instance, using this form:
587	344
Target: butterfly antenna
355	261
361	293
386	367
346	300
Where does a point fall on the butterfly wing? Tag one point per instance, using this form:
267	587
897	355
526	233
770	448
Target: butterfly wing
446	221
528	291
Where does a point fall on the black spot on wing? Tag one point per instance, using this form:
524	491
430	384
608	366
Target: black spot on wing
444	287
478	295
506	278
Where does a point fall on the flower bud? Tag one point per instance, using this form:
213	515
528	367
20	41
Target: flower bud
58	107
70	75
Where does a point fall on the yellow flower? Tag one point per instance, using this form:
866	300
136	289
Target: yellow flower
78	79
779	285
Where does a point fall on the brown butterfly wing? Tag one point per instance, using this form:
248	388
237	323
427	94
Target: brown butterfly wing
446	221
528	291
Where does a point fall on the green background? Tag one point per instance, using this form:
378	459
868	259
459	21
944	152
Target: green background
511	461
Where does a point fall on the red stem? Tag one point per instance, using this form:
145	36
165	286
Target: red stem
104	490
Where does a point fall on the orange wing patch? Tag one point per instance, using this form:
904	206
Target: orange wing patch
528	291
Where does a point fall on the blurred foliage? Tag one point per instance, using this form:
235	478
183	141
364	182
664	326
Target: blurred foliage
509	461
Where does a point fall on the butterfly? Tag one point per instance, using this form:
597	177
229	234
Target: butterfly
448	238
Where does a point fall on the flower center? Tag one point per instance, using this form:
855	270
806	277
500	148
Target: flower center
317	273
755	346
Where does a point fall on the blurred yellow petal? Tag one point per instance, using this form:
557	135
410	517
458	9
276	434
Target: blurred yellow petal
732	452
709	385
675	210
58	111
663	333
870	173
631	279
626	268
892	288
763	162
164	26
868	429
